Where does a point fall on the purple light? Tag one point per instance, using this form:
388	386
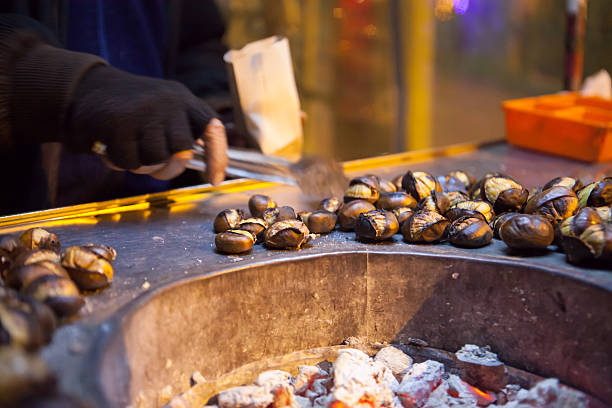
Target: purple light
461	6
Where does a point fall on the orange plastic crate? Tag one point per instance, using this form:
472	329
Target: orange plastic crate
563	124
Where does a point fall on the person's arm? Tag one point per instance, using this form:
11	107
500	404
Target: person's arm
50	94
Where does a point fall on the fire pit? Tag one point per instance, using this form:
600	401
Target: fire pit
535	317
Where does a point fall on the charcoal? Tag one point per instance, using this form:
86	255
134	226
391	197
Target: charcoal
306	378
394	359
303	402
548	394
481	368
418	384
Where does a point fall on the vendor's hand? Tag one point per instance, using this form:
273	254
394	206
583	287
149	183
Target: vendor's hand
147	124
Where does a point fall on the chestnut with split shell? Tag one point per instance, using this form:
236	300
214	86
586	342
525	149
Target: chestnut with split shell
234	241
377	225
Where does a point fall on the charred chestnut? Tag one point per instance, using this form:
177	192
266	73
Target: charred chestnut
605	213
435	202
576	224
475	192
499	221
420	184
38	238
569	182
505	194
526	231
349	212
464	177
596	194
258	203
228	219
59	293
555	204
255	226
387	186
402	214
331	204
389	201
377	225
319	222
425	227
23	375
470	232
289	234
362	188
272	215
23	275
455	197
89	268
593	245
234	241
473	208
397	181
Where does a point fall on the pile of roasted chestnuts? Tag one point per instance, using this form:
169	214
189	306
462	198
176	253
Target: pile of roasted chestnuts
39	284
455	207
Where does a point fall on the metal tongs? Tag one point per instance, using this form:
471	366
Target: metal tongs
314	175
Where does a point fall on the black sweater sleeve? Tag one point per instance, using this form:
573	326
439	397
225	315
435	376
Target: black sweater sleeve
37	80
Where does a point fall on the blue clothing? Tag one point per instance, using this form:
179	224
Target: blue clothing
130	35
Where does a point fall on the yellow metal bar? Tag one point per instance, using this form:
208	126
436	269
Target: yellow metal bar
180	199
418	37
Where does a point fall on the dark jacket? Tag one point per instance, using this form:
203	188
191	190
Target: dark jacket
38	77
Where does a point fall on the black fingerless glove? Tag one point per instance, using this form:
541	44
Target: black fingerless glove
141	120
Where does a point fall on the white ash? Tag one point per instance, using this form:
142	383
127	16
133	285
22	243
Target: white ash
273	378
548	394
418	384
250	396
395	360
476	354
357	381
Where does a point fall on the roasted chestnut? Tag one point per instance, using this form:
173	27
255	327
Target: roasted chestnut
605	213
596	194
593	245
30	257
40	312
289	234
255	226
475	191
38	238
60	293
386	186
10	246
22	375
89	268
258	203
397	181
377	225
23	275
455	197
102	250
425	227
389	201
228	219
349	212
576	224
362	188
331	204
464	177
470	232
272	215
569	182
499	221
527	231
234	241
420	184
473	208
555	204
435	202
319	222
402	214
505	194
